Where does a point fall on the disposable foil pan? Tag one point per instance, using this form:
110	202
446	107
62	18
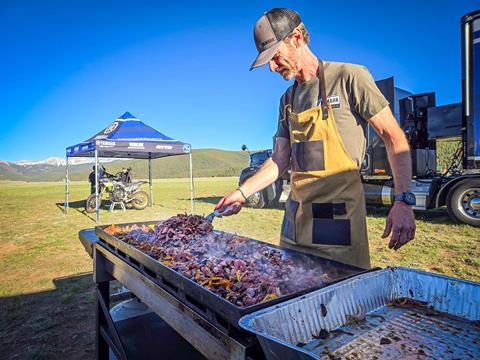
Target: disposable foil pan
355	319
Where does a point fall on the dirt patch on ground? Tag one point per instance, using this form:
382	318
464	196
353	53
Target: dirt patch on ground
9	247
447	253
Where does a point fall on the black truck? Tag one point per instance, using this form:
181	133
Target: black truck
271	195
458	186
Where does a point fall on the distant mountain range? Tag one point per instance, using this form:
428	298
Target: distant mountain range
57	161
206	163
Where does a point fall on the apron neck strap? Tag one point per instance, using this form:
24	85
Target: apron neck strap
321	90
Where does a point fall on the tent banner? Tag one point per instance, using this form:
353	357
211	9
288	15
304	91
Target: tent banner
145	146
81	148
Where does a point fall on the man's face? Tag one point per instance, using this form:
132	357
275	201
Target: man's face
285	61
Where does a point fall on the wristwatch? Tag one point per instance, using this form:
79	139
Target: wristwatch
407	197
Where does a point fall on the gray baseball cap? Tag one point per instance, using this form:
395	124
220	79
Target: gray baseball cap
269	32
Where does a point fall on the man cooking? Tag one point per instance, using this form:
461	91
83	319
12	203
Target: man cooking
324	143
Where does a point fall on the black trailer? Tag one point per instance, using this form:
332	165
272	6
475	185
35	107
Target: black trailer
424	123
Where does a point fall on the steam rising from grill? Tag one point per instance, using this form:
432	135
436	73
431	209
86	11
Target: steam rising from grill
240	270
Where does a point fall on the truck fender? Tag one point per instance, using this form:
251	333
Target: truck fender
441	197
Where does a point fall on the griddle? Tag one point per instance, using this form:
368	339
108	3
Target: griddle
209	305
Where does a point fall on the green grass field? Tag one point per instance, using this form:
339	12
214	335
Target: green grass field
46	289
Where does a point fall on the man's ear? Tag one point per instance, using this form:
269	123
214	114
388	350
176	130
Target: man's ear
297	38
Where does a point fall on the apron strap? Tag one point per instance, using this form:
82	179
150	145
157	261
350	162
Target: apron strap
321	90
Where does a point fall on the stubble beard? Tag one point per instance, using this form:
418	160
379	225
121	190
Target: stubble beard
288	75
288	70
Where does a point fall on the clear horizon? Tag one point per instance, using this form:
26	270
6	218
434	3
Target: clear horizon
74	67
113	159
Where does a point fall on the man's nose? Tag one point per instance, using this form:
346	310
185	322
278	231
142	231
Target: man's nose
272	65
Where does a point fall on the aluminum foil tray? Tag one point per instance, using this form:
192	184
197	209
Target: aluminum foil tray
355	319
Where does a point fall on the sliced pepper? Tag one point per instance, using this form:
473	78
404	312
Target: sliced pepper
269	297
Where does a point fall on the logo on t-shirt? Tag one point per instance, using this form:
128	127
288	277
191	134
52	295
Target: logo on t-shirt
333	100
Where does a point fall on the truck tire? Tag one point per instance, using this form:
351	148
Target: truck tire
463	202
257	200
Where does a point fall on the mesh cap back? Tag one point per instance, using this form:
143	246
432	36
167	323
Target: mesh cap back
283	21
270	30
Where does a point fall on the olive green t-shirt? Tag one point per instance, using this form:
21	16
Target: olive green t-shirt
353	96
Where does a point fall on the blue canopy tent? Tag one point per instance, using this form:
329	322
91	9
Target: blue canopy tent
128	137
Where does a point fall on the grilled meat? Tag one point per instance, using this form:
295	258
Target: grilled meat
242	271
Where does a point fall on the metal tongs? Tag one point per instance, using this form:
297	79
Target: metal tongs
219	214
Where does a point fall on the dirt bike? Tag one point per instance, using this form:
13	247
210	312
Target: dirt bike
118	191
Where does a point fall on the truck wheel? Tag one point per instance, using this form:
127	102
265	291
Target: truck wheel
463	202
256	200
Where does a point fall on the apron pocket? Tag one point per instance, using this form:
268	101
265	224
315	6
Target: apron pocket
308	156
331	232
288	224
328	210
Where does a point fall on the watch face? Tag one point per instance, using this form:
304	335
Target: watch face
410	198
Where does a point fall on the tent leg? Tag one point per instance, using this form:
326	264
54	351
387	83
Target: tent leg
150	179
191	184
96	184
65	210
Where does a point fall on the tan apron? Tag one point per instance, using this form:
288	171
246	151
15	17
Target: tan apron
325	212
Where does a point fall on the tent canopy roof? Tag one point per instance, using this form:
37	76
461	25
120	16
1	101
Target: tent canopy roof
128	137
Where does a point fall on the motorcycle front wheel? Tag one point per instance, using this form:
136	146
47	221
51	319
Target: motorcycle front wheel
90	204
140	200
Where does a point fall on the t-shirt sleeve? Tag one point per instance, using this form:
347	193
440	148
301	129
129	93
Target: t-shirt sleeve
367	99
282	129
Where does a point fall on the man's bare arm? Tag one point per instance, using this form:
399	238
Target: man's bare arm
398	150
267	174
400	220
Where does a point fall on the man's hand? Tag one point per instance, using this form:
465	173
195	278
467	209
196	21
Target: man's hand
235	199
401	223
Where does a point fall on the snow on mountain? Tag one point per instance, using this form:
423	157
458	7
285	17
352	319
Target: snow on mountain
25	162
57	161
54	161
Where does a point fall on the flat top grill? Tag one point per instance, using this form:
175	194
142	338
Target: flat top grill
209	305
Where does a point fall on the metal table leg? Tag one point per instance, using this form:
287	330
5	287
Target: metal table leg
106	334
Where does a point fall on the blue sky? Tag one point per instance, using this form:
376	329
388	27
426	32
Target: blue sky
69	68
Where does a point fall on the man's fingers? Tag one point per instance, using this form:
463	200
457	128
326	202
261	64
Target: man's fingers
388	228
409	236
395	237
412	233
220	203
232	209
405	235
401	222
237	208
403	238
